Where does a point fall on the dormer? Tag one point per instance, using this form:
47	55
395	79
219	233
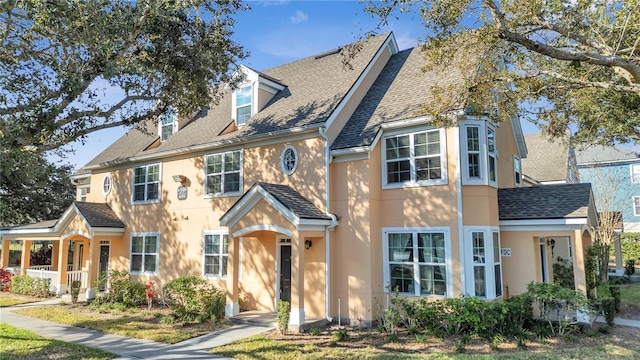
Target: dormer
168	124
252	94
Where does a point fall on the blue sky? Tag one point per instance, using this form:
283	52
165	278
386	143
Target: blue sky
279	31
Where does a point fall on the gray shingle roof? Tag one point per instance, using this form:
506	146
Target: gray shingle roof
39	225
292	200
99	215
545	161
314	87
604	154
399	92
545	202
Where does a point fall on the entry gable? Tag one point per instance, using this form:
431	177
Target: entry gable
289	203
97	217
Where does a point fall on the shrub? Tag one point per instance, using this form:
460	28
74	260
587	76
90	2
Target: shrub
125	291
195	299
75	291
341	335
26	285
630	267
150	293
608	309
5	279
282	316
563	273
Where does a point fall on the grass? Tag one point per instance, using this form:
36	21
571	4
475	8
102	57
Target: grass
630	294
9	299
139	324
22	344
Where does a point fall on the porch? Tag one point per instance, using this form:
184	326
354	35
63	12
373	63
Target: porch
46	272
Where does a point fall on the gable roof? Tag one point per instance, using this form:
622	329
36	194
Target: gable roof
315	86
399	93
599	154
98	214
545	161
559	201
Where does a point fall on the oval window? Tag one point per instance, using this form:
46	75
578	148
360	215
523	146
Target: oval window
106	185
289	160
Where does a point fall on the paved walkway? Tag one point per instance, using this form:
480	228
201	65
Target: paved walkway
128	348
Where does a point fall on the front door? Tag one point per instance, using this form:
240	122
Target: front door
543	261
285	273
103	265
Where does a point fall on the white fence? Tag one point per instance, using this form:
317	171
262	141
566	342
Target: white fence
40	267
44	274
77	276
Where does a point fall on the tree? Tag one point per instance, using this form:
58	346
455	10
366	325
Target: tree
58	60
567	64
32	189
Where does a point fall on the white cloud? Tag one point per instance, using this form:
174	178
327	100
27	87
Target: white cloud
270	2
299	17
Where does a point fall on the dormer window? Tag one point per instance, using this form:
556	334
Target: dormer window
168	124
243	104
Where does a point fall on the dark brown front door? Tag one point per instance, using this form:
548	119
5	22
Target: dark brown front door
285	273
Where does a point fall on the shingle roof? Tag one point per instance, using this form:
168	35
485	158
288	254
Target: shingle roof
314	87
545	161
400	92
99	214
292	200
604	154
545	202
39	225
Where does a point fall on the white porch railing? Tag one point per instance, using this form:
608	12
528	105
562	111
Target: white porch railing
40	267
45	274
81	276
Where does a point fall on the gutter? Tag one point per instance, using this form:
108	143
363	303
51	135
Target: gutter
334	223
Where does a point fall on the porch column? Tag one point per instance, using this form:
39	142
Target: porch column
92	272
297	281
618	252
61	265
25	260
5	253
55	249
579	272
232	307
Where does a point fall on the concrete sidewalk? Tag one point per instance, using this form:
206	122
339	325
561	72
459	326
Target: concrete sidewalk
128	348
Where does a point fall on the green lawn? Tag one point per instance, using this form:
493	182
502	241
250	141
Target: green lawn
630	294
10	299
22	344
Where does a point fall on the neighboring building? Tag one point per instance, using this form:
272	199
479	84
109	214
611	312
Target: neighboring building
549	162
324	187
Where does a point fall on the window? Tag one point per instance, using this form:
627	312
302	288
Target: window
473	151
146	183
243	105
478	142
416	261
635	173
144	253
415	159
289	160
215	254
83	194
168	124
517	172
106	185
222	173
636	206
484	264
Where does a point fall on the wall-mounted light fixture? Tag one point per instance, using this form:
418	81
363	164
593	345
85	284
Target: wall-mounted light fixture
307	244
179	178
552	243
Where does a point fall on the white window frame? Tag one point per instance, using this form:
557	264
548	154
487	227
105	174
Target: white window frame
634	173
172	115
82	193
251	105
412	159
240	172
484	129
415	262
469	151
146	184
285	160
106	185
144	236
636	205
489	261
221	255
497	261
517	171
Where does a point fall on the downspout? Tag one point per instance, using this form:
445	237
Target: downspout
459	205
334	222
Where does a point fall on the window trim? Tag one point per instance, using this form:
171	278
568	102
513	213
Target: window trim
634	179
174	124
133	184
484	128
144	235
295	156
489	261
494	182
251	105
447	263
414	183
80	196
636	207
206	233
105	180
517	171
241	180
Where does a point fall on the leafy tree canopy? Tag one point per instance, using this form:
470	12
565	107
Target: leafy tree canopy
567	64
60	60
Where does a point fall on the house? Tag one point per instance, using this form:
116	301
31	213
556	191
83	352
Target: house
549	162
323	186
